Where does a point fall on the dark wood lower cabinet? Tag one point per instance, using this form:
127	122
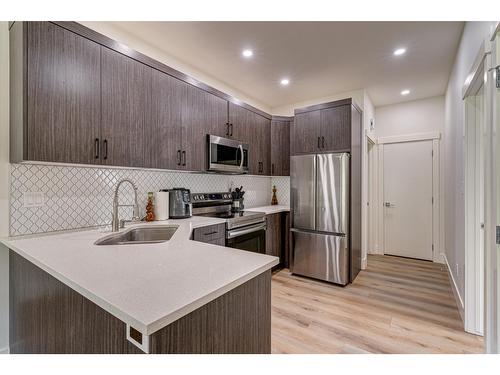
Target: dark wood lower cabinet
46	316
278	229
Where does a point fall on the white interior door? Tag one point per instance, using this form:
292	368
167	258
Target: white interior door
408	199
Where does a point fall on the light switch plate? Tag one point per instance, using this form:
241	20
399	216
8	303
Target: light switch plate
33	199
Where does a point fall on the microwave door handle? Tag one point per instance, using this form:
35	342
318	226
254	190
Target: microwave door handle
240	147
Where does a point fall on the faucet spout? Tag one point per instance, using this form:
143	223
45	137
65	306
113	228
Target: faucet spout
116	222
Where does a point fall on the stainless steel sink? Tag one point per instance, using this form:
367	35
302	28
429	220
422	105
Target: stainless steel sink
140	235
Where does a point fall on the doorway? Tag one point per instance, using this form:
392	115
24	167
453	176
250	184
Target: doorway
408	199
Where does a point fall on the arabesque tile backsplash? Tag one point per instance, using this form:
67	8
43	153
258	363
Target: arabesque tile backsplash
78	197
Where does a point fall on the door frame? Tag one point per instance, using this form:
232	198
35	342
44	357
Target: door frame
437	226
475	185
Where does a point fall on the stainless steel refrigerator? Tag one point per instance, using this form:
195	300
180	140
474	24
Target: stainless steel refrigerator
320	194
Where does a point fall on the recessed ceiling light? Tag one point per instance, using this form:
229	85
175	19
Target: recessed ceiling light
285	81
399	51
405	92
247	53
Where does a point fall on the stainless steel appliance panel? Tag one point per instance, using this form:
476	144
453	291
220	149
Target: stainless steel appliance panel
320	256
250	238
227	155
332	193
303	191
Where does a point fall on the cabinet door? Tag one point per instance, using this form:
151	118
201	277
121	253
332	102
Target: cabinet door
280	148
263	130
203	114
273	235
164	133
63	95
240	119
336	128
126	109
306	131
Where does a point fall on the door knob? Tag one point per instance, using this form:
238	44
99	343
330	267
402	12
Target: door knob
388	204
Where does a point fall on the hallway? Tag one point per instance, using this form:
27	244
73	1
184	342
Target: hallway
396	305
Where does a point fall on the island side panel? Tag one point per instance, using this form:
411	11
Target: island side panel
46	316
236	322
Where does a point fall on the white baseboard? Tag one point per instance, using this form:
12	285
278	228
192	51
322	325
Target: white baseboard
364	263
4	350
454	287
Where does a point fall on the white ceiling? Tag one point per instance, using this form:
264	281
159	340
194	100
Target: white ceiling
319	58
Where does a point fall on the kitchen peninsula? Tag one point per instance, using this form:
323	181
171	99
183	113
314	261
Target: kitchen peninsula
69	295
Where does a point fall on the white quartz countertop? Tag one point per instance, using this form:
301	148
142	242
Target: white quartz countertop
145	285
268	210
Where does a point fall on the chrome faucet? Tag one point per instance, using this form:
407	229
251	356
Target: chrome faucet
117	224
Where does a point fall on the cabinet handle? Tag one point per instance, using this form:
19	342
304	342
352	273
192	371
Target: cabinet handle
319	140
178	157
231	127
227	128
105	149
210	233
272	168
96	148
323	142
184	158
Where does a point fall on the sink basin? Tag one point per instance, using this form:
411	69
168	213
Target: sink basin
140	235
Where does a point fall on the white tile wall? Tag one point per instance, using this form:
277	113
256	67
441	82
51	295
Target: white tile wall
77	197
282	189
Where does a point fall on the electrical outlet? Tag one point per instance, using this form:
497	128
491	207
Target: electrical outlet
33	199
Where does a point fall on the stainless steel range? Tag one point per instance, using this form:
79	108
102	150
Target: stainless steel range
245	230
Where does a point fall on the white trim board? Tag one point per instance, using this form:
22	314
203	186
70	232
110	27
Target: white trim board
409	137
454	287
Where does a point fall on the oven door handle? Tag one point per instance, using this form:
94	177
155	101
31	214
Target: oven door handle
240	232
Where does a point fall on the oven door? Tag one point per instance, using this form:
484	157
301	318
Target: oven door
250	238
227	155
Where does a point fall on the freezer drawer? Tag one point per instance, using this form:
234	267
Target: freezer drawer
320	256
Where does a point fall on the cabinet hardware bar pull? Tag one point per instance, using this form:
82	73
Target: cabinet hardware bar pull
210	233
184	158
96	148
231	127
105	149
227	128
319	139
272	168
178	157
323	142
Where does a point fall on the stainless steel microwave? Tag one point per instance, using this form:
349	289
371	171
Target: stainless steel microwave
226	155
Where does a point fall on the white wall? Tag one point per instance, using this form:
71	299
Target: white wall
419	116
110	30
414	117
4	185
473	35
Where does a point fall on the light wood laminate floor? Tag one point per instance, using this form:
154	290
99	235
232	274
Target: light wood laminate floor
396	305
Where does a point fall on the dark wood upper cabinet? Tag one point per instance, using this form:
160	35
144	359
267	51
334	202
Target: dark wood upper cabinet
336	128
126	109
254	129
164	133
203	114
306	129
280	147
80	97
63	94
323	128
